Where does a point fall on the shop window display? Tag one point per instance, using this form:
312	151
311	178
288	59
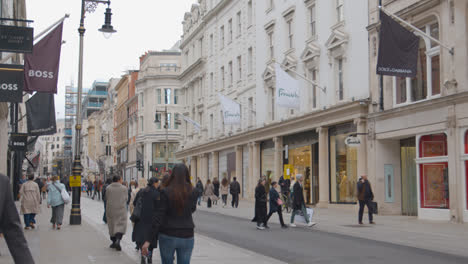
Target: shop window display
300	159
466	167
434	188
343	168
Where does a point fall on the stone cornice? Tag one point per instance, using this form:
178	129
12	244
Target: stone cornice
341	113
192	67
421	106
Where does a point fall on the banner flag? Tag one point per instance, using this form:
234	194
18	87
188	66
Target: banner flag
191	121
231	110
398	49
41	67
287	89
40	111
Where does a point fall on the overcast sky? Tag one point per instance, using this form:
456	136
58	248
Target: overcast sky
141	25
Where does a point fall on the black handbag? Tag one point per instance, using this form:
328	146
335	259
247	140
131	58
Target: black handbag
374	207
136	214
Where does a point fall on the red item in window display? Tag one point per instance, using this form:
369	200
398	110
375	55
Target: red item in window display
433	146
434	185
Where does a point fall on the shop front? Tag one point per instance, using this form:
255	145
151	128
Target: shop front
343	165
227	164
159	158
267	163
301	157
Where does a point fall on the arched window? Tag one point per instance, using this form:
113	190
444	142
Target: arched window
433	171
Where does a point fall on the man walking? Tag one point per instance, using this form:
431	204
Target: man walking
299	202
285	185
30	198
235	191
200	190
10	224
116	211
365	196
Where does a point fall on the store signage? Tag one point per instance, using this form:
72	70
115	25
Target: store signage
18	141
75	181
16	39
11	83
352	141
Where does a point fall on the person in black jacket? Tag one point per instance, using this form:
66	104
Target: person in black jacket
149	204
199	188
235	191
216	189
285	185
173	222
299	202
275	207
260	205
365	196
10	225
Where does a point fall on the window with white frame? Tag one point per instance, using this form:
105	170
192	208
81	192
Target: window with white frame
339	79
167	96
200	45
239	67
176	121
250	12
230	30
169	120
239	23
221	119
251	112
313	91
158	96
339	11
250	58
426	84
271	47
212	89
271	107
230	73
211	126
222	78
176	96
211	44
289	27
221	33
312	20
142	124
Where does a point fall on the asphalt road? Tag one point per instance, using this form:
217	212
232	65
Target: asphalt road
306	245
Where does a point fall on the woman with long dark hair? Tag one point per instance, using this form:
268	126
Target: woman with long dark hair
260	205
173	221
216	189
224	190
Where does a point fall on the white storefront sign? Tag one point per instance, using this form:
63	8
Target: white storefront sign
287	89
352	141
231	110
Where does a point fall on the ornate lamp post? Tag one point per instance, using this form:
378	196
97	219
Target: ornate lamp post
86	6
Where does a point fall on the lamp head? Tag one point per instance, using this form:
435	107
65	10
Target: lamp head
107	28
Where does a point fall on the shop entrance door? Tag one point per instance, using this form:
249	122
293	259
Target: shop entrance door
315	174
409	196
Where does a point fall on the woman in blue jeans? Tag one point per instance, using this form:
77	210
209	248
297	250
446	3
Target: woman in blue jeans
173	220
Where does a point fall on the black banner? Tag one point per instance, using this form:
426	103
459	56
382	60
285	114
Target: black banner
11	83
398	49
40	111
18	141
16	39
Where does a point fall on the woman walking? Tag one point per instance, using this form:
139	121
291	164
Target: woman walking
133	192
216	189
30	198
209	195
275	205
260	205
224	190
173	220
149	203
54	200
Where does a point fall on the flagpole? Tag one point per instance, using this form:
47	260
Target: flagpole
324	89
450	49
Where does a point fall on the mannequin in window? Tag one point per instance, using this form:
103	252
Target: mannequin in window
344	187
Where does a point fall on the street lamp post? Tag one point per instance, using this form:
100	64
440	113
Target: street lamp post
86	6
166	123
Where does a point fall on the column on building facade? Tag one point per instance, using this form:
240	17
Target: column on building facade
200	169
239	170
193	168
323	167
278	158
256	167
361	125
250	173
215	164
205	164
456	185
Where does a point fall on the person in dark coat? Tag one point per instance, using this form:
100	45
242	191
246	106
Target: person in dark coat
260	205
299	202
235	191
10	225
274	206
199	188
150	203
216	189
285	185
365	196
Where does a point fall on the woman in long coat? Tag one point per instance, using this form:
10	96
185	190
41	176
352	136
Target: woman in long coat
209	195
216	189
260	205
116	211
224	190
30	198
150	203
274	206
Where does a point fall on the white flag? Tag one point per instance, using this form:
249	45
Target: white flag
196	125
231	110
287	89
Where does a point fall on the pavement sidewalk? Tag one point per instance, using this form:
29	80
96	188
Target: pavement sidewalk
438	236
206	251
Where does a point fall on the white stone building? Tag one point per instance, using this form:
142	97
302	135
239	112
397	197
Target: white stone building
324	41
51	150
158	90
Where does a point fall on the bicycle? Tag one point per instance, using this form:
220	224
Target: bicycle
287	202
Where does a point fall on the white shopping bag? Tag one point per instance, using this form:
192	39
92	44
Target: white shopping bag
299	218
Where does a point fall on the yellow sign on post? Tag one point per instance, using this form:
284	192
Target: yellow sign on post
75	181
288	170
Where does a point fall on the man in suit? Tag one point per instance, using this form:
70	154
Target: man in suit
11	226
